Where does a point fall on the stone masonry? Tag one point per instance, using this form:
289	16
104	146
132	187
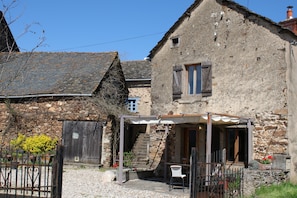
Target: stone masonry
46	117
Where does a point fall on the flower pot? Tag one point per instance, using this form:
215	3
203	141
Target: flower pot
265	166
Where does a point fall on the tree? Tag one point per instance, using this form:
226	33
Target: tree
8	47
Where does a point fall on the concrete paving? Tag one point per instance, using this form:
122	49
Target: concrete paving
157	185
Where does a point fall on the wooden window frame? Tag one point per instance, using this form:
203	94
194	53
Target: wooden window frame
180	78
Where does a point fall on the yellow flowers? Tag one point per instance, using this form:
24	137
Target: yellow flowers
36	144
18	142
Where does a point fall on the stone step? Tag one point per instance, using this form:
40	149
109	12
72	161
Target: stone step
140	151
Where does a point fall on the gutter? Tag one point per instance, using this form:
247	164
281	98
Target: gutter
129	80
45	95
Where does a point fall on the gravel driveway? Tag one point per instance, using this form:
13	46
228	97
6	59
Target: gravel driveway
87	182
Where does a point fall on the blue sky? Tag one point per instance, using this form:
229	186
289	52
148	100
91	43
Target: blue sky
130	27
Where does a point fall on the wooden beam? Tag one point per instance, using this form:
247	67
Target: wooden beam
250	141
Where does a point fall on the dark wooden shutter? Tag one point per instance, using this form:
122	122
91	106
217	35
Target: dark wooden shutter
177	82
206	79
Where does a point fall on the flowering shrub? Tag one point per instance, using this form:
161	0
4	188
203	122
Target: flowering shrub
18	142
36	144
267	160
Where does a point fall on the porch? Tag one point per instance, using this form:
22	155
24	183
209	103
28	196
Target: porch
198	130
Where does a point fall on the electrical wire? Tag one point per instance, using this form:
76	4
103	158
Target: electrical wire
115	41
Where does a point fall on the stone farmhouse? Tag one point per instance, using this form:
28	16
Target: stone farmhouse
138	79
60	94
222	64
65	95
222	77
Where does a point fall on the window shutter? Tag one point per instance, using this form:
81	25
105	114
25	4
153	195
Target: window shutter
206	79
177	82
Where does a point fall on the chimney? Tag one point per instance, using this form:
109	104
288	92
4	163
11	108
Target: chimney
289	12
290	23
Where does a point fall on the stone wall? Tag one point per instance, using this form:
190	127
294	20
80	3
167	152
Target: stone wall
46	117
270	134
249	72
158	139
144	102
254	179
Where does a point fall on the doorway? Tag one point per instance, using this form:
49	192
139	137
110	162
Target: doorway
237	145
190	140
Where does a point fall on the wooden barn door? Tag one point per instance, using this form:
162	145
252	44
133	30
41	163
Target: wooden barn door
82	141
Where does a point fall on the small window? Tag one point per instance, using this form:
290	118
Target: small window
132	105
175	42
194	79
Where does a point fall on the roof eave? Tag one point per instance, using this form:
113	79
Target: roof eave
45	95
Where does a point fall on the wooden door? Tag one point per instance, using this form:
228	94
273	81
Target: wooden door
82	141
237	145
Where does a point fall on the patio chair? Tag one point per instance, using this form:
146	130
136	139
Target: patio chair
176	176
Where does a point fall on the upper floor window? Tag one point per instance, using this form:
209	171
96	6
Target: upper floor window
132	105
175	41
194	79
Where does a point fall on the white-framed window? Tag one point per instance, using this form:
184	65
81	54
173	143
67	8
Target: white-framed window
194	79
132	105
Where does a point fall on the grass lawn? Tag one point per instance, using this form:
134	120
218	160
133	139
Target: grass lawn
286	190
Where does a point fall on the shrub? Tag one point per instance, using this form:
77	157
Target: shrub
128	158
18	142
37	144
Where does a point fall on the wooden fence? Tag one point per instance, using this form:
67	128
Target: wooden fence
26	175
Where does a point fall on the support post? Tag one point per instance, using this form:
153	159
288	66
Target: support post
250	141
121	149
166	150
208	146
121	154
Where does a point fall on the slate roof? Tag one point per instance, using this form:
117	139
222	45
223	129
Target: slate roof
137	70
228	3
43	73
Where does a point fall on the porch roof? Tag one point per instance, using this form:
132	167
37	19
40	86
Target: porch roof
217	119
208	118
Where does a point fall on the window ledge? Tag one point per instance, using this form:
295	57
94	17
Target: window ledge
190	99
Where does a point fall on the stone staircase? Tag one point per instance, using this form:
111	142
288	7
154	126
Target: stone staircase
141	151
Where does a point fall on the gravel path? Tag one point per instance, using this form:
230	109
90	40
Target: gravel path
87	182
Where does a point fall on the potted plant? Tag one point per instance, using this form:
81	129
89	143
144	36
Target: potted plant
128	159
266	162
